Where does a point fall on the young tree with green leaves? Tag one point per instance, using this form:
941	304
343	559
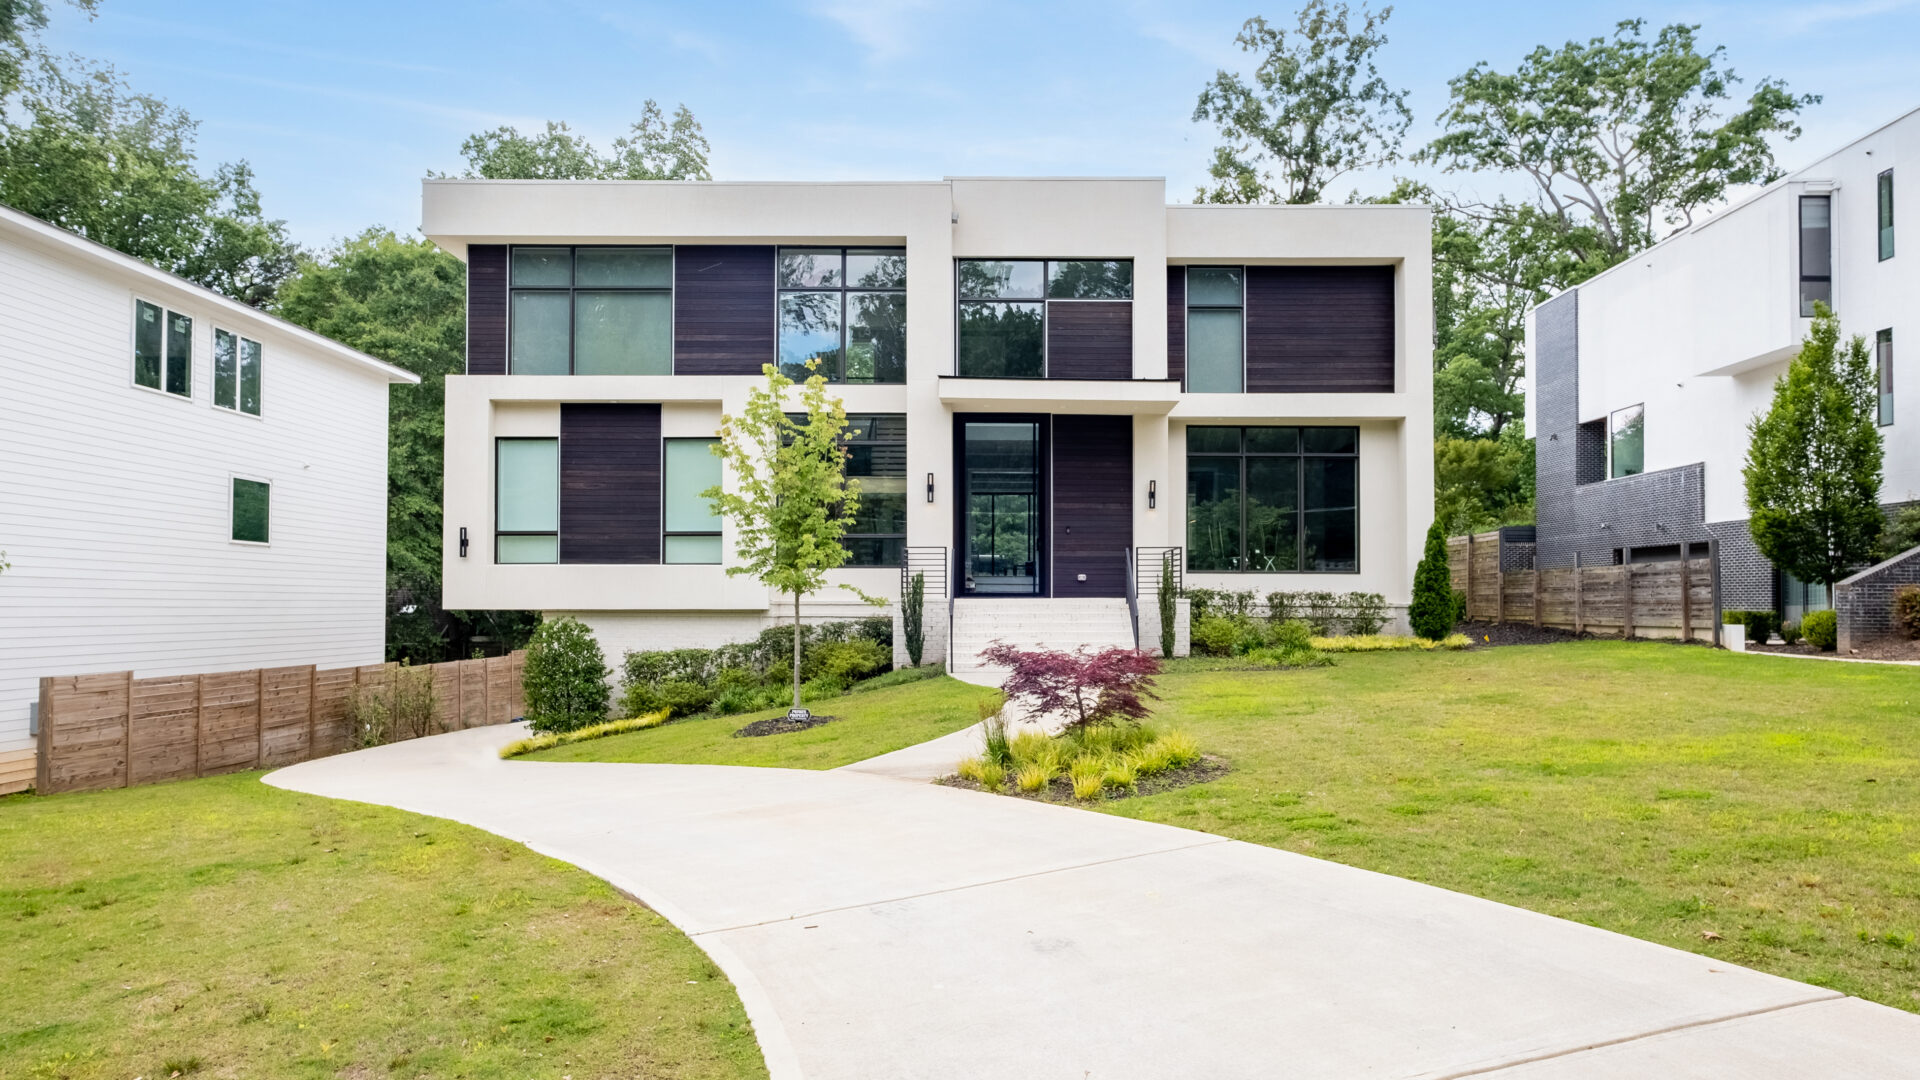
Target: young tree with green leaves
1813	465
654	148
792	501
1433	610
1315	110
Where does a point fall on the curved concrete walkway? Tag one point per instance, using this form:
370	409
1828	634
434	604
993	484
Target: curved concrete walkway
877	928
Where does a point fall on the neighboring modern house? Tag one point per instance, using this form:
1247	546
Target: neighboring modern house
186	483
1048	379
1642	380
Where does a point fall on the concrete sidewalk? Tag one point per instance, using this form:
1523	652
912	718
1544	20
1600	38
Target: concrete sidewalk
877	928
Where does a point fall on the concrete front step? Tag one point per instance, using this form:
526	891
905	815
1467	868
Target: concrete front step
1037	623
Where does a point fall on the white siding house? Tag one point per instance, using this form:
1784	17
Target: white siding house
117	499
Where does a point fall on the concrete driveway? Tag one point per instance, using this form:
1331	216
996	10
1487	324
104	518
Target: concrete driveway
881	928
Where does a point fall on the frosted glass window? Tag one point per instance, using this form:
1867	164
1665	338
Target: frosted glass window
623	268
622	333
692	528
590	311
1214	352
527	500
541	326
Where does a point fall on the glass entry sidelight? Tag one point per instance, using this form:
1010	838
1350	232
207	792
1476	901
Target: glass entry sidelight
1002	520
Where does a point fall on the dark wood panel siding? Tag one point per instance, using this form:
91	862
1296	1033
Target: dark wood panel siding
1090	339
1320	329
723	309
609	483
1092	504
486	309
1177	324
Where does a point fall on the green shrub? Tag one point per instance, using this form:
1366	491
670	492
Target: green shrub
1906	610
1759	624
913	609
1821	629
1433	610
823	686
898	677
740	699
1215	636
1221	602
845	660
1789	632
1290	636
1168	607
565	678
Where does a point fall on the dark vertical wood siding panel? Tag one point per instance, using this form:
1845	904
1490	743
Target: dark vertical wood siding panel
1092	504
609	483
1177	323
1320	329
486	309
1090	339
723	310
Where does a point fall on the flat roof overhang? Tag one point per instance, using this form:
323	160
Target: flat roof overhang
1105	397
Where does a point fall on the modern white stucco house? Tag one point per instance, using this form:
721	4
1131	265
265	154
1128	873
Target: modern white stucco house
186	483
1642	380
1048	377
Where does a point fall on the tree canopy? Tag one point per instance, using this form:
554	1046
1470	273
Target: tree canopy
654	148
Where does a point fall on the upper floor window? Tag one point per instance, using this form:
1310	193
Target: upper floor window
1885	188
691	530
1627	442
1883	373
526	502
590	311
1273	499
1003	308
162	349
846	310
252	505
1816	252
1216	329
236	372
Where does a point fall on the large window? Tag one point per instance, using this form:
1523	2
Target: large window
1885	187
590	311
876	445
691	528
1816	252
1216	329
1003	308
1273	499
845	311
1883	373
1627	442
526	512
252	505
162	349
236	372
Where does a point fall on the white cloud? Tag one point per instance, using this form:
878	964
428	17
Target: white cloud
887	29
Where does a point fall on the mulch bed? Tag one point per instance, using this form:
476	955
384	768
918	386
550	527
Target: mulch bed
780	725
1889	649
1487	634
1209	767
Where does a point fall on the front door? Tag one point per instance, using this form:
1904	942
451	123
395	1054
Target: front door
1002	516
1092	504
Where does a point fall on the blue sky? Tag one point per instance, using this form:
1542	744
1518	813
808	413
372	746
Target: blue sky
342	106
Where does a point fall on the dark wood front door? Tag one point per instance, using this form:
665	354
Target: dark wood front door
1092	504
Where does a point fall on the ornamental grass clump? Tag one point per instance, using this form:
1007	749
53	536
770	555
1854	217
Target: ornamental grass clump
1089	776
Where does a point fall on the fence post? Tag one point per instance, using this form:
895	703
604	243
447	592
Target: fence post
1626	594
1469	575
1713	580
1499	588
199	722
259	716
1579	615
1536	592
126	739
1686	592
43	751
313	679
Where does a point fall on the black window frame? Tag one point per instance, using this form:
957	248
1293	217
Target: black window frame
573	287
845	288
1800	221
1299	454
167	315
1883	375
1186	371
1043	298
665	472
498	532
1883	215
846	444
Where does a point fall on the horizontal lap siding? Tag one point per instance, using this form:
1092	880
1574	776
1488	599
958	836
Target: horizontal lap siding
723	310
1090	339
1320	329
1092	504
1177	324
487	309
609	483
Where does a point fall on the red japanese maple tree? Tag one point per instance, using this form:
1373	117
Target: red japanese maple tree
1091	689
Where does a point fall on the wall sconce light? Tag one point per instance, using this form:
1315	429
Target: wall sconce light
929	487
463	541
1152	493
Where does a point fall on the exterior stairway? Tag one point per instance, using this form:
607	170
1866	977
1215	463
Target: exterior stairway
1036	622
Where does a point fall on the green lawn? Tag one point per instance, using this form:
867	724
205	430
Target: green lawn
224	928
1658	790
869	724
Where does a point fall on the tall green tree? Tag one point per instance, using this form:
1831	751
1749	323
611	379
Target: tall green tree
1813	463
78	148
20	24
404	301
792	501
654	148
1314	110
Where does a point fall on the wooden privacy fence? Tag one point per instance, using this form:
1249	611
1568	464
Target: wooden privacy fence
1677	598
113	730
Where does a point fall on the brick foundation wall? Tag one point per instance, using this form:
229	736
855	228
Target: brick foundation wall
1864	602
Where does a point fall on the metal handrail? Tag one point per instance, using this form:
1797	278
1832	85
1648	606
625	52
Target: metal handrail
1133	599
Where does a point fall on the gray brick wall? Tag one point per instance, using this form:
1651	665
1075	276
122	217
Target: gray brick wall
1556	408
1747	580
1864	602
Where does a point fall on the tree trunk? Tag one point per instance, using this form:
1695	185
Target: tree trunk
796	649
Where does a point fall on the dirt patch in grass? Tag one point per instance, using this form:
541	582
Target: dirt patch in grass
1489	634
1060	788
780	725
1885	649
